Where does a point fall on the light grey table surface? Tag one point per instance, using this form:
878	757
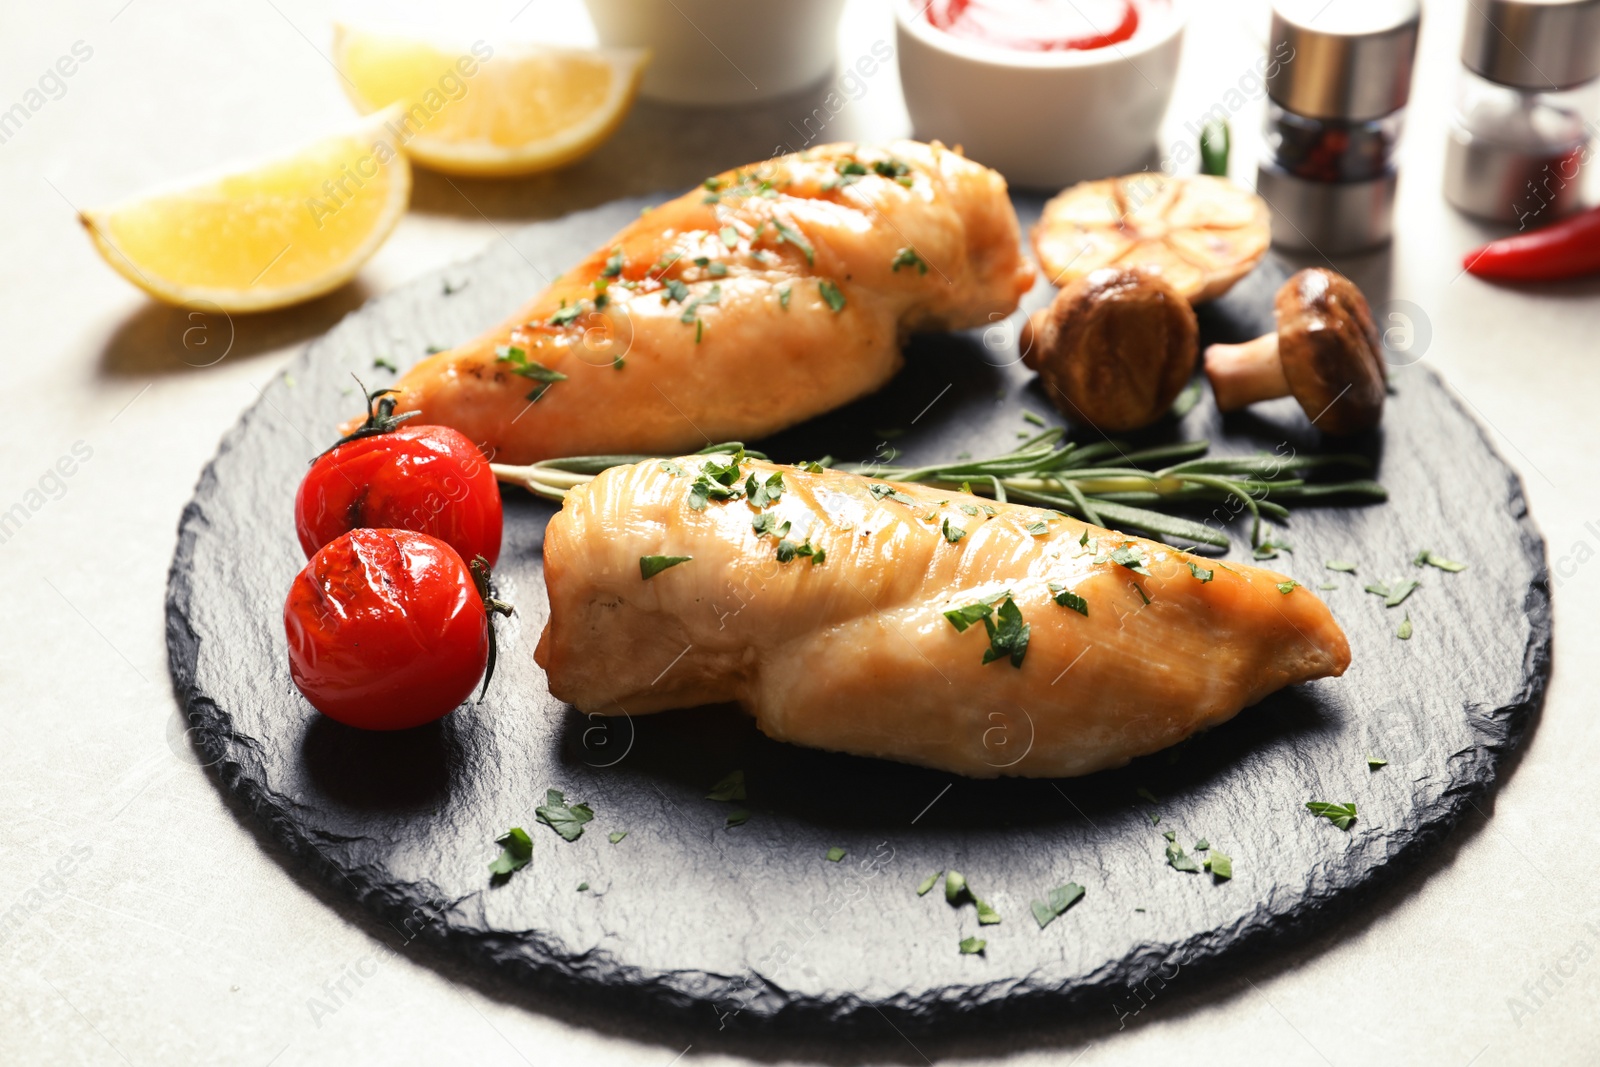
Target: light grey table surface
144	921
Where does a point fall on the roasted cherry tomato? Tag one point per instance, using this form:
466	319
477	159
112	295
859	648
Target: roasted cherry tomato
388	629
386	475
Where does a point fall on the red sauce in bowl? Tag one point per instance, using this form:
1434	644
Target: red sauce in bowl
1038	25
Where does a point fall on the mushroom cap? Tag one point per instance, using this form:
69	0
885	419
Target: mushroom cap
1332	357
1115	348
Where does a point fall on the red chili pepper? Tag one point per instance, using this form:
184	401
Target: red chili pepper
1568	249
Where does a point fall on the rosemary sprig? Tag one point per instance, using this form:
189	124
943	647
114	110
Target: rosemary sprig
1102	483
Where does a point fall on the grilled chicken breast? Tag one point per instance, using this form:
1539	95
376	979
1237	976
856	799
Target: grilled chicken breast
831	614
774	293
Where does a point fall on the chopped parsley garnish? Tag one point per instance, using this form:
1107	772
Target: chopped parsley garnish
931	881
1374	762
1068	599
730	238
672	468
760	494
1404	633
1395	593
516	850
1327	587
565	819
788	550
714	296
1341	815
716	482
566	314
676	290
736	818
1343	566
712	184
1288	587
767	523
830	293
1059	900
1426	558
783	297
616	835
891	168
1220	864
650	566
796	238
1179	859
613	267
583	887
1037	529
1144	794
717	270
849	170
971	615
880	491
952	533
835	854
972	946
731	787
969	509
530	369
381	363
1008	636
1200	572
957	892
1084	540
1202	845
908	257
1127	556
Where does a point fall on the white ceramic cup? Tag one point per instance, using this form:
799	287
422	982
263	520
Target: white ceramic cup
723	51
1045	120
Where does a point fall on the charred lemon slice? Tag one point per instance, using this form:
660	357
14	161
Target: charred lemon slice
1199	234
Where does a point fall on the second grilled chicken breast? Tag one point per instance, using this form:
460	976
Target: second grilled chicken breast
908	622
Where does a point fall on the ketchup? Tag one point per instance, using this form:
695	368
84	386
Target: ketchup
1038	25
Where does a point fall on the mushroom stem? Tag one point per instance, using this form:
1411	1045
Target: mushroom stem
1243	374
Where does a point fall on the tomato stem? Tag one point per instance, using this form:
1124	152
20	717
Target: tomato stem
492	607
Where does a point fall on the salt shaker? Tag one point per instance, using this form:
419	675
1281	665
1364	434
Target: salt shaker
1525	109
1335	108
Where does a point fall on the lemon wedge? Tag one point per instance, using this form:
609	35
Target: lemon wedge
490	111
264	236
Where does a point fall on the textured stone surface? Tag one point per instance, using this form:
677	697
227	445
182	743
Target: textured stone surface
753	923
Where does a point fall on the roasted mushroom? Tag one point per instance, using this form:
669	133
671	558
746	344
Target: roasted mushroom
1114	348
1325	353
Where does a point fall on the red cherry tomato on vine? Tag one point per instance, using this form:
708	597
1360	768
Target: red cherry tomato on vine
388	629
431	479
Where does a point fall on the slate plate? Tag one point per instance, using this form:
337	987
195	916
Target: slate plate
752	924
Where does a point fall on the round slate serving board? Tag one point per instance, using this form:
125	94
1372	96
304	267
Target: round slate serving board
752	923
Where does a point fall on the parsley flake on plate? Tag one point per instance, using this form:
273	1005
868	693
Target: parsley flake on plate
731	787
616	835
1057	902
836	854
1404	633
1343	566
795	237
650	566
736	818
1374	762
565	819
972	946
516	849
1394	593
382	363
1341	815
931	881
1220	864
1426	558
1178	858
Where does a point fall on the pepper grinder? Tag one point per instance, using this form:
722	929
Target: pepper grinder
1335	107
1525	109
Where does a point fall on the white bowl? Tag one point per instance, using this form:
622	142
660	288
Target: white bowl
723	51
1042	119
